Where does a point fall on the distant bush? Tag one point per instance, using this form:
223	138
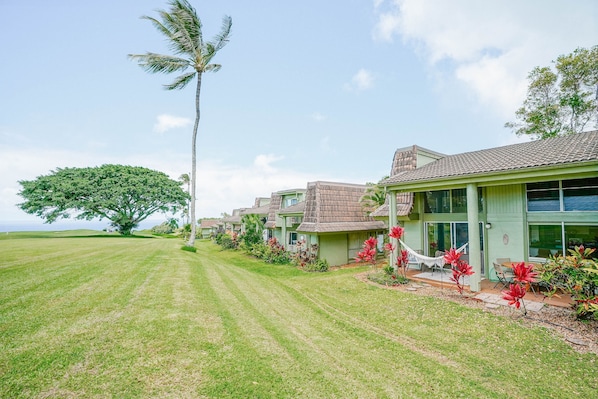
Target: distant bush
164	228
189	248
228	240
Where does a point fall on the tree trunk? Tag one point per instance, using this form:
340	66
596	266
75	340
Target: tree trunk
193	221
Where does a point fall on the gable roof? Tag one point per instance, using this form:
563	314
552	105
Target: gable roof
404	159
578	149
275	203
334	207
208	223
256	210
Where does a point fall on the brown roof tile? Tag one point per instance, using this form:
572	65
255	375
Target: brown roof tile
573	148
334	207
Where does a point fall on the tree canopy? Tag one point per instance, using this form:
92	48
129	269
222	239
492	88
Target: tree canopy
562	101
125	195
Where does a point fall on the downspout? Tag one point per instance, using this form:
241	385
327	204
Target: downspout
473	226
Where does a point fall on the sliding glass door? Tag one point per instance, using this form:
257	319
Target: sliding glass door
440	237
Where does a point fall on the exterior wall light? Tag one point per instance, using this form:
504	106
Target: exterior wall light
488	225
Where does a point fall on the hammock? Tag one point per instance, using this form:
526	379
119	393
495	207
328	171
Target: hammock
428	260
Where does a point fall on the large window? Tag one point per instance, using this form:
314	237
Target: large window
292	238
568	195
450	201
547	240
289	202
580	195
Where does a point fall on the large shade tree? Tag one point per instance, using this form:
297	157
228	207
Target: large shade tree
562	101
125	195
192	57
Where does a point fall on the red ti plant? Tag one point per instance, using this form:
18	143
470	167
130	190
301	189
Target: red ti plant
459	267
524	275
515	296
396	232
403	262
369	252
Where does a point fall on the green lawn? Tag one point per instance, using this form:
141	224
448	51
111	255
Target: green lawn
101	316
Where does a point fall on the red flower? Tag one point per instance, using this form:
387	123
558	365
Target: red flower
465	268
396	232
452	256
460	268
514	295
371	242
524	273
389	247
403	258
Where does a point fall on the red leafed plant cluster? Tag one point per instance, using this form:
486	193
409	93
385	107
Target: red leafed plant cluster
369	252
459	267
524	275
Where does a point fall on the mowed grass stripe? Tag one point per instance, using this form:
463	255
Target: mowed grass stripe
258	360
342	345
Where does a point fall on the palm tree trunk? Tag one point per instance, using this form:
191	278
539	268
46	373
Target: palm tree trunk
194	163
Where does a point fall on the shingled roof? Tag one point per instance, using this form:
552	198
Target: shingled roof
256	210
298	208
405	159
275	203
559	151
334	207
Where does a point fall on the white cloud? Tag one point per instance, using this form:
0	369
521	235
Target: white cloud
362	80
490	46
167	122
263	162
318	117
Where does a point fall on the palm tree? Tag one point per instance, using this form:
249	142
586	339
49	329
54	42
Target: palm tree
185	179
182	28
373	197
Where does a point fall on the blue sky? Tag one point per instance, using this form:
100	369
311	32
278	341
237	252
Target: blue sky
310	90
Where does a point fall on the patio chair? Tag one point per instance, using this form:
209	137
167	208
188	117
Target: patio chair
415	261
500	261
437	267
505	277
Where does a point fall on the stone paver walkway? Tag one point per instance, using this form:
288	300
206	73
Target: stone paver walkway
493	300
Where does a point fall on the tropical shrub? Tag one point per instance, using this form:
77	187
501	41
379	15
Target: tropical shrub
576	275
229	240
271	252
388	276
254	226
167	227
319	265
306	257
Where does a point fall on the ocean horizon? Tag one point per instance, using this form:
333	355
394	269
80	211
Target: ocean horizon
13	226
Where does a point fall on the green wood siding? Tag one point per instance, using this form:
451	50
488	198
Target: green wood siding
334	248
506	210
